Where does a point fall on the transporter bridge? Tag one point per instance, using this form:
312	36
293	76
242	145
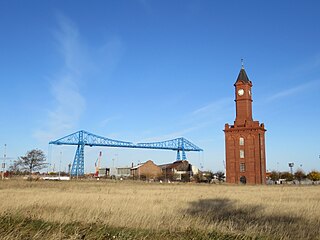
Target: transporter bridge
83	138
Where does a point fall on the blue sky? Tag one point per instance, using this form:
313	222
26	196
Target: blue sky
146	70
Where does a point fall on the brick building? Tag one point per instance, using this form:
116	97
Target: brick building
147	170
245	140
179	170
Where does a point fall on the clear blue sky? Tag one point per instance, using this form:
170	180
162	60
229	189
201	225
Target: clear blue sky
145	70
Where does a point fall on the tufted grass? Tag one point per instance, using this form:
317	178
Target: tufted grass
138	210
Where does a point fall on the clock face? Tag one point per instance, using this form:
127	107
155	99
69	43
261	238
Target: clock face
240	92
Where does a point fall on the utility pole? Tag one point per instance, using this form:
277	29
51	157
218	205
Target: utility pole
113	171
69	169
4	161
165	173
60	164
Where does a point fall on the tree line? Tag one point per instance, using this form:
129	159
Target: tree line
298	175
35	160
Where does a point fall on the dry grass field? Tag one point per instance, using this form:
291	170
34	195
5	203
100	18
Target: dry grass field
138	210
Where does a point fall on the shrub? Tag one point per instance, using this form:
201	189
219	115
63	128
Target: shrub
314	176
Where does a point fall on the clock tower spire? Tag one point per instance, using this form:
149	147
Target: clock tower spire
243	99
245	140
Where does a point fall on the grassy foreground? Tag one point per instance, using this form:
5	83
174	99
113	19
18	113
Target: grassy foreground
133	210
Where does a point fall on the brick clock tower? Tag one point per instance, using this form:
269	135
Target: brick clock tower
245	141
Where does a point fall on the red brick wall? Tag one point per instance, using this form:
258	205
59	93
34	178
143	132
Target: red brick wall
253	134
254	155
148	170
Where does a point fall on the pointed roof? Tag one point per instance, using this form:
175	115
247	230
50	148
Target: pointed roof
243	76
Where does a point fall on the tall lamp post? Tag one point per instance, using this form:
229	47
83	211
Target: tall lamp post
69	169
291	166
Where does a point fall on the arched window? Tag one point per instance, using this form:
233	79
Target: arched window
242	167
243	180
241	141
241	153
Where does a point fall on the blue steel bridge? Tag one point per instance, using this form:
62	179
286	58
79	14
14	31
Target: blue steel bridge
83	138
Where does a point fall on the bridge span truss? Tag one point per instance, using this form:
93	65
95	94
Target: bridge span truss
83	138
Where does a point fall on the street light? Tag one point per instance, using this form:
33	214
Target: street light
291	166
69	169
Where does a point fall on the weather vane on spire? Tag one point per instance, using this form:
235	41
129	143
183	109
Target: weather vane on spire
242	66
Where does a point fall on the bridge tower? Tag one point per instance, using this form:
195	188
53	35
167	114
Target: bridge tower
83	138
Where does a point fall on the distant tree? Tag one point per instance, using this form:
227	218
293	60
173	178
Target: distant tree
203	177
208	176
287	176
274	176
220	176
14	169
299	175
314	176
34	160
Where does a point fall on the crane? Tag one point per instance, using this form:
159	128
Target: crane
97	164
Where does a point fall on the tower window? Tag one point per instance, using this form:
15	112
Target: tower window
241	153
242	167
241	141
